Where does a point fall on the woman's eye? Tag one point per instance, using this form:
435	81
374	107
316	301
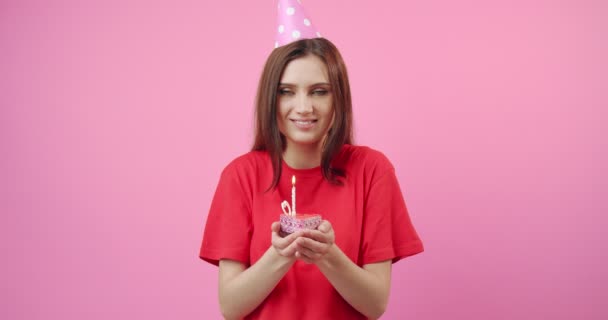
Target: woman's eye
284	91
320	92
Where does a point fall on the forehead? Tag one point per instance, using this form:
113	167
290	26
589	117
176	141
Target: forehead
305	70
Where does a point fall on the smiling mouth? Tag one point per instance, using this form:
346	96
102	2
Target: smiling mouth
304	124
303	121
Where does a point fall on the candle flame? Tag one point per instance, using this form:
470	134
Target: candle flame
293	180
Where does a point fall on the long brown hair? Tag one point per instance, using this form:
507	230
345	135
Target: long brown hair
267	135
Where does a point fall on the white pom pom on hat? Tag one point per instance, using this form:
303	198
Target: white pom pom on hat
293	23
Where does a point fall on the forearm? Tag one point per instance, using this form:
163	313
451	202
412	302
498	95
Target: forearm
362	289
242	294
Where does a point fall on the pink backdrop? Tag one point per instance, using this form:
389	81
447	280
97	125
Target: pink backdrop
116	118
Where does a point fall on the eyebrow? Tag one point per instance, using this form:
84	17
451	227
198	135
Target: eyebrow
312	85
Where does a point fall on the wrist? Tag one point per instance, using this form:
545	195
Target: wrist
280	260
329	259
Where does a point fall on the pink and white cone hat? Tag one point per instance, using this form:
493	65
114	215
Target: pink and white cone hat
293	23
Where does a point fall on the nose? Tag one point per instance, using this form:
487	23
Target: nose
303	104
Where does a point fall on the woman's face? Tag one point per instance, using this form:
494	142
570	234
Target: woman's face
305	110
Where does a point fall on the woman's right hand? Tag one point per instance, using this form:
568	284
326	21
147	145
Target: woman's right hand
285	246
243	288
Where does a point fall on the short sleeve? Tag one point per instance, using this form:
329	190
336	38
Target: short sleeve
228	229
388	233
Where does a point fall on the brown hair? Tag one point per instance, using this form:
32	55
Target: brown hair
267	134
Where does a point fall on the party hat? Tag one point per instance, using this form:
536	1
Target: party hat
293	23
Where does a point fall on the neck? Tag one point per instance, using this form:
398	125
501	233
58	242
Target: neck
302	156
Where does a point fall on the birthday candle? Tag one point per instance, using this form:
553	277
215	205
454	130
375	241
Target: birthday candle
293	195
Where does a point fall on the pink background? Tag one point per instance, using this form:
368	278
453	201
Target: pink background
116	118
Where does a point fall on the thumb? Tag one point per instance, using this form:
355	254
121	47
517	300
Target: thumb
324	226
275	227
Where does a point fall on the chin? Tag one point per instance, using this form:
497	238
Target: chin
305	141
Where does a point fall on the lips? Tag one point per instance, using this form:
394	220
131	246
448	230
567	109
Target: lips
304	124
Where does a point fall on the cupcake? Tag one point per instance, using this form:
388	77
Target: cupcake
301	221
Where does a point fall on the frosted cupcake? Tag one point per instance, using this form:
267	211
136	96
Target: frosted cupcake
292	222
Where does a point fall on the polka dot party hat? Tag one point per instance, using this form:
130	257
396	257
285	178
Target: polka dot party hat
293	23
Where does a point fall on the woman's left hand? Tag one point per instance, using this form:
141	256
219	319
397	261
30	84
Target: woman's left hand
313	245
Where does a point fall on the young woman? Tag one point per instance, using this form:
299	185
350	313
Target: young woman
342	270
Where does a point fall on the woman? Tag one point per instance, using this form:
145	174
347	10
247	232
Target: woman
304	128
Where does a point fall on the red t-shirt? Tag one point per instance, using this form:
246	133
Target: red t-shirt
368	214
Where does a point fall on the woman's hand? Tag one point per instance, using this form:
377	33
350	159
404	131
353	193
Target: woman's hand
285	246
313	245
